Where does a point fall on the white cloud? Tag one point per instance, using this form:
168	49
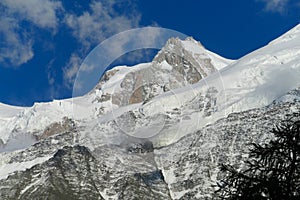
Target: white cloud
145	38
275	5
51	75
95	25
42	13
70	70
17	41
100	22
15	49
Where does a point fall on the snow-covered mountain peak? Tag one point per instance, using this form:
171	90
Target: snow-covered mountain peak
190	48
186	63
178	63
251	82
175	44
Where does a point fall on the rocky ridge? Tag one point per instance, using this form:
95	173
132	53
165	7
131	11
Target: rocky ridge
184	170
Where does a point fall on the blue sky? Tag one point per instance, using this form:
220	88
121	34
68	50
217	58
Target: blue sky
43	42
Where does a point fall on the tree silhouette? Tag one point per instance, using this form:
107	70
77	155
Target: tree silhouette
272	171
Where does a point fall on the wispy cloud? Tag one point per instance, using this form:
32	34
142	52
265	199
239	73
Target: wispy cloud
15	49
41	13
51	75
101	21
71	69
279	6
16	45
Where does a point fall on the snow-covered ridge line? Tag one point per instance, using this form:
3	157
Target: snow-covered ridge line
250	82
8	111
254	81
96	103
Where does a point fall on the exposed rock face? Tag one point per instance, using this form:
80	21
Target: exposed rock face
141	147
185	68
58	127
194	65
77	173
106	76
196	164
137	170
58	178
174	66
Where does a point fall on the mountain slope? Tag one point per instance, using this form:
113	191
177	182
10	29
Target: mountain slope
134	169
251	82
129	139
118	87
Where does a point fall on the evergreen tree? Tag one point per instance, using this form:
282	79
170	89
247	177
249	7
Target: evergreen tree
272	171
